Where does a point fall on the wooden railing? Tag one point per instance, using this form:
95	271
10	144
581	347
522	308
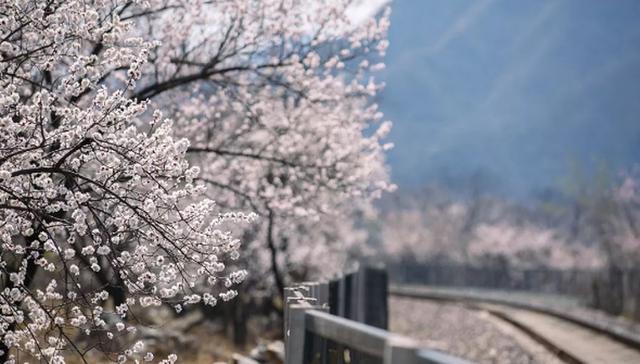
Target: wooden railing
345	321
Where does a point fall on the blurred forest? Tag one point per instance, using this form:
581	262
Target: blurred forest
582	239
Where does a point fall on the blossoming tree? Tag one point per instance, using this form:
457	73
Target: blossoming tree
275	97
123	120
96	195
438	229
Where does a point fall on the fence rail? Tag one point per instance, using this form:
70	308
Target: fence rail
315	332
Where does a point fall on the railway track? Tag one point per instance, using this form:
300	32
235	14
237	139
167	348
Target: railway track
573	339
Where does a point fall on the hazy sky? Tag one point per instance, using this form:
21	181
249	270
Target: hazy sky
518	89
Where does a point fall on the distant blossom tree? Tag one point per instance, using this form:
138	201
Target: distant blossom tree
421	235
627	221
275	97
120	117
606	212
527	245
478	232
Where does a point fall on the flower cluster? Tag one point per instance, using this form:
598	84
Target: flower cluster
121	121
276	98
100	211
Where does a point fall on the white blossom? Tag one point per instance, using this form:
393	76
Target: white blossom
121	126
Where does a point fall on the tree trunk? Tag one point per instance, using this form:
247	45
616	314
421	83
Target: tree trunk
275	271
240	323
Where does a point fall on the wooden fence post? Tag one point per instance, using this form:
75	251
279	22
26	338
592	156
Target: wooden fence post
334	296
288	295
318	346
346	297
372	300
295	349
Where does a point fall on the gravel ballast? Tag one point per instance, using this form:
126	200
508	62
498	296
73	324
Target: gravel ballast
471	334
